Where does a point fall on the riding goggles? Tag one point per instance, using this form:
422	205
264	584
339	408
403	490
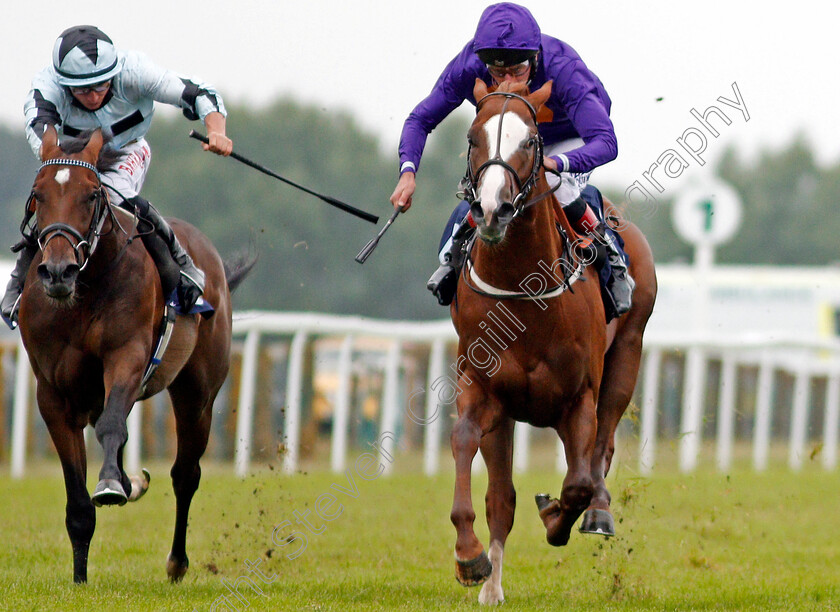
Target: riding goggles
516	70
96	88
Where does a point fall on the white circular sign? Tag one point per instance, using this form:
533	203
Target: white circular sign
707	214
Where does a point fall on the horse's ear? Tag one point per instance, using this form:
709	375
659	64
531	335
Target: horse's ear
480	89
49	142
539	97
94	146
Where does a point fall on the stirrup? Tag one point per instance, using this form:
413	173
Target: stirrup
189	291
620	285
188	295
621	292
10	315
10	304
443	284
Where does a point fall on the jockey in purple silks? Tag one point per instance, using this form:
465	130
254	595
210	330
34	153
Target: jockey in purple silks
575	126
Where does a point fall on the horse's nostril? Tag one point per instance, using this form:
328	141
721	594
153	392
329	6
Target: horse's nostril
52	273
70	273
505	212
477	212
43	272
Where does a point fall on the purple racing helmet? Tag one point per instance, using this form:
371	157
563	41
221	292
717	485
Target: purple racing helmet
507	34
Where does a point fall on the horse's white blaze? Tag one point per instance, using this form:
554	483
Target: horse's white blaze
62	176
492	593
514	134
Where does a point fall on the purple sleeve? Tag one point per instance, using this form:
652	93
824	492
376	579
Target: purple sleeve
453	87
583	96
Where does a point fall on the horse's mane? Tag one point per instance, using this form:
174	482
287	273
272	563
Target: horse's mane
108	157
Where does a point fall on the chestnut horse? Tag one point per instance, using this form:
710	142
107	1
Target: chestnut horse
545	355
90	314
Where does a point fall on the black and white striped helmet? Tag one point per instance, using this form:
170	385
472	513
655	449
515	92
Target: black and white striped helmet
84	55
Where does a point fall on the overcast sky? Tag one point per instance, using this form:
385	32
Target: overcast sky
378	58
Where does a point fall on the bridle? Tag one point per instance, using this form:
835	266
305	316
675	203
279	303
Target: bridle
470	180
520	202
83	246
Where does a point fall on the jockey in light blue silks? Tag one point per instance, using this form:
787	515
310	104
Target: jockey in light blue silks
574	124
92	85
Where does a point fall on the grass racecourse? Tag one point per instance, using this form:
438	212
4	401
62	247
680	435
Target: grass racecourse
705	541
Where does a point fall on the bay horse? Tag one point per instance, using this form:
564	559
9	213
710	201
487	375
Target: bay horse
90	314
544	356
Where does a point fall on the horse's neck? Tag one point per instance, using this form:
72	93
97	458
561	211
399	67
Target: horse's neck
531	243
111	244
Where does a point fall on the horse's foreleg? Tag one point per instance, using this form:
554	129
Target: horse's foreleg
80	515
577	430
621	367
500	501
472	566
122	383
192	418
114	485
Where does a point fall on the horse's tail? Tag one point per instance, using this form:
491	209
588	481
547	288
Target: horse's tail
237	267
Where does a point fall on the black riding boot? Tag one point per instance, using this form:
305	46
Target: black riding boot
444	280
620	285
11	300
163	246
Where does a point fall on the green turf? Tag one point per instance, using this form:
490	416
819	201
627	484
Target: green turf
700	542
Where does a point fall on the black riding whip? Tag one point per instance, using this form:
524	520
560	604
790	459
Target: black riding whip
368	248
337	203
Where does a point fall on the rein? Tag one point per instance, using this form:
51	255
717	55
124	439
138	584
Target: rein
83	245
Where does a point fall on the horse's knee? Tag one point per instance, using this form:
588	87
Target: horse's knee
461	516
185	479
111	429
577	495
80	521
466	435
500	508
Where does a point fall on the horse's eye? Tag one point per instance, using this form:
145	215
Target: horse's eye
92	198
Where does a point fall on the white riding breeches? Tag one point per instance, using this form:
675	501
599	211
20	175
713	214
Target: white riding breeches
127	176
571	183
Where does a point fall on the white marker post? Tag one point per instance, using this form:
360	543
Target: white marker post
705	215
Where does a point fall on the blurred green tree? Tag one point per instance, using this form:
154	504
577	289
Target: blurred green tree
307	248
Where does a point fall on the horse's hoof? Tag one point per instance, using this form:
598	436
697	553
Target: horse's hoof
598	522
557	535
176	569
543	500
109	492
139	485
556	531
475	571
491	594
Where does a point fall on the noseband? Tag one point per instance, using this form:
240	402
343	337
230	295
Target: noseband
82	245
470	180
